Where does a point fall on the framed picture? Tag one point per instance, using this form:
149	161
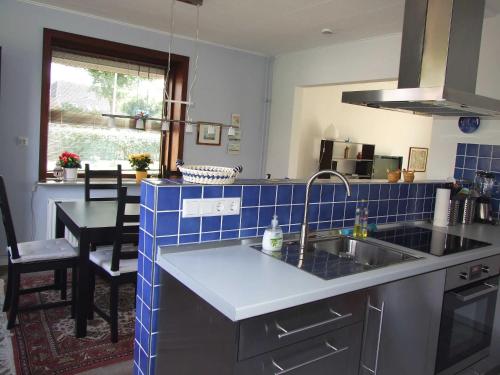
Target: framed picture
236	136
417	159
233	148
208	135
235	119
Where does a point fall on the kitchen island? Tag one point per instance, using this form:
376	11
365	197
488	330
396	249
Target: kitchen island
237	290
163	224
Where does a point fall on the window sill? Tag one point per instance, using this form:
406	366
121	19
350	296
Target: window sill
81	182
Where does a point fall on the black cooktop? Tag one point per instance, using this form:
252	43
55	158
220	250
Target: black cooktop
427	240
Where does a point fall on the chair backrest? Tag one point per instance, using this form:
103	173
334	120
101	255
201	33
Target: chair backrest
7	220
114	174
127	228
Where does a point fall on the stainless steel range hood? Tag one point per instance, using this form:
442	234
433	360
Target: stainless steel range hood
439	62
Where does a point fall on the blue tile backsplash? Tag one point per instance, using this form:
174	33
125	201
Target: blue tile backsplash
471	158
162	224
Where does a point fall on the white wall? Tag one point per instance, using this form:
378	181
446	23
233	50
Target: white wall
445	132
393	133
374	59
230	81
365	60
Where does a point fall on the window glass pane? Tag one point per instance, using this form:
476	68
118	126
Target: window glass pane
82	90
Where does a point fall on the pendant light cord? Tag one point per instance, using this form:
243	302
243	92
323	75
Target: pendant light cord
170	45
196	64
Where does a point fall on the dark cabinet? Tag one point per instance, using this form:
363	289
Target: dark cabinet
333	353
391	329
322	337
268	332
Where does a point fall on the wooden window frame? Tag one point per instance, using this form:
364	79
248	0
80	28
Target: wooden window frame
172	142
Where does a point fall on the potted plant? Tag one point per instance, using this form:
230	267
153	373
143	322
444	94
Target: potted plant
70	162
140	162
140	119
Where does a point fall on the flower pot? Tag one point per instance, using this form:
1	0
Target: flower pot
70	174
139	124
140	175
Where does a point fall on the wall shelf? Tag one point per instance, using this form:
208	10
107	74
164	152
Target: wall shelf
332	154
352	159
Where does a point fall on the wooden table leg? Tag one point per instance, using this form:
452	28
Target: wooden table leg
60	228
83	284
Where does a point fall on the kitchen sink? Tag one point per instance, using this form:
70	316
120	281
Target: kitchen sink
339	256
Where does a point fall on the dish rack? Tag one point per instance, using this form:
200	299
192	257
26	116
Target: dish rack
208	174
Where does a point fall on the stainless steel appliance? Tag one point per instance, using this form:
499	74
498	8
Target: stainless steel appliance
469	210
439	62
427	240
382	163
468	314
484	184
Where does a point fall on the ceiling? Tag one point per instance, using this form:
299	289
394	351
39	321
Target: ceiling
269	27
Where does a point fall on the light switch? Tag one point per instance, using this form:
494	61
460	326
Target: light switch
22	141
191	208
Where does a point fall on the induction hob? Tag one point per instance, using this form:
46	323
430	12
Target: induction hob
427	240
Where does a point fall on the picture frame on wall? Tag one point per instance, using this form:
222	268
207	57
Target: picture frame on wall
209	135
417	159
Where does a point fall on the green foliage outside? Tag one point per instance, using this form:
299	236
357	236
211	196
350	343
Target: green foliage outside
104	147
100	146
103	84
135	105
131	101
70	107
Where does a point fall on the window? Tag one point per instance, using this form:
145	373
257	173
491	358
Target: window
85	80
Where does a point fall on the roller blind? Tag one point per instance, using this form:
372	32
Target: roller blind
107	65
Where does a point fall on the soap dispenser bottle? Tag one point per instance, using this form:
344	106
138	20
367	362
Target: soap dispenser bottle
273	237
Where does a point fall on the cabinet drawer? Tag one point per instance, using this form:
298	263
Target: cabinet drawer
334	353
272	331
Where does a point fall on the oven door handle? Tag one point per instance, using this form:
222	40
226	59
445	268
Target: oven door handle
488	288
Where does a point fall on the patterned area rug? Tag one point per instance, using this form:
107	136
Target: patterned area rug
6	355
44	341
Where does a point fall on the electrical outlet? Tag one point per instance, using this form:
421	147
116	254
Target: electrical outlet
22	141
210	207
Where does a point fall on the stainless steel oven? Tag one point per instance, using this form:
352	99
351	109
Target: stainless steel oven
468	314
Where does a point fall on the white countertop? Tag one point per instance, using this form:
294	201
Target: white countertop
242	282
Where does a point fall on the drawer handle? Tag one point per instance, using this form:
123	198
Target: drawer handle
282	370
285	333
379	336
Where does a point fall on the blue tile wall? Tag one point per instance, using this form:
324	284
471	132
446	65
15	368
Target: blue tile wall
471	158
162	224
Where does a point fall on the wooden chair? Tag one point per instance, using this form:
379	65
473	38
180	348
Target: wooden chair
117	264
89	185
35	256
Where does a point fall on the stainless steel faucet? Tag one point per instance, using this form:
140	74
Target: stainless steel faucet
304	231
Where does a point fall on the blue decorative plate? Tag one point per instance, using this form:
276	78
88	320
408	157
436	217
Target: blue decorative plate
468	124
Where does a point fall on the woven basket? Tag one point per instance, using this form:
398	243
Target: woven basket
208	174
393	176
